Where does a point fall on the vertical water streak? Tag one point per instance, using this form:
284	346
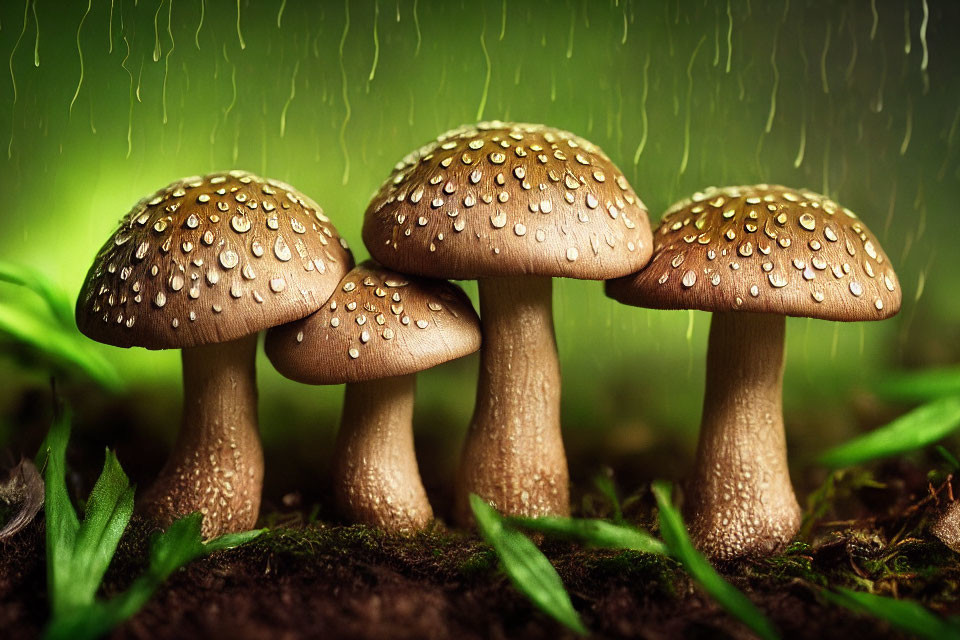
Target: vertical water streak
686	128
823	60
196	35
345	94
243	45
729	36
376	44
643	111
286	105
36	42
166	59
416	25
486	80
80	52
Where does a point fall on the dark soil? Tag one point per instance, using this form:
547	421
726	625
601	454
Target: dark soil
312	580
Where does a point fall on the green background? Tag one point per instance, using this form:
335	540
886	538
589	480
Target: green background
104	104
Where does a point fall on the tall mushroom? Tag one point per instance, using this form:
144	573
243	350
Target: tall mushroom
203	265
375	333
511	205
753	255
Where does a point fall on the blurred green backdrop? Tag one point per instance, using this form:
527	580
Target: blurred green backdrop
109	100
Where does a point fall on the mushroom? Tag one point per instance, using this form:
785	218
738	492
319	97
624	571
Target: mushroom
512	206
203	265
947	526
375	333
753	255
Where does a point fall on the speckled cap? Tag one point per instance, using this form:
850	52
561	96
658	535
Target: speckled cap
506	199
212	259
765	249
377	324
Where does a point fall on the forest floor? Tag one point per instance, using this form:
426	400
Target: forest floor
307	579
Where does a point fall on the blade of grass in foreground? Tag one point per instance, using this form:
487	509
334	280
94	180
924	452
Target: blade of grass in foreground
41	285
921	427
597	533
908	616
64	346
727	596
176	547
79	552
920	386
526	566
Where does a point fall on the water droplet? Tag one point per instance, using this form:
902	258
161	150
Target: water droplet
229	259
572	254
281	250
689	278
240	223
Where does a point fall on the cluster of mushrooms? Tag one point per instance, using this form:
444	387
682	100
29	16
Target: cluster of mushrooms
205	264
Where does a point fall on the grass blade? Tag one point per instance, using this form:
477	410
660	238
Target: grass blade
61	520
108	512
917	429
597	533
170	550
920	386
727	596
604	485
908	616
41	285
65	347
527	567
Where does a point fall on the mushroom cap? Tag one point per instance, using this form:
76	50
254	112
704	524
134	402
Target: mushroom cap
764	249
508	199
212	259
377	324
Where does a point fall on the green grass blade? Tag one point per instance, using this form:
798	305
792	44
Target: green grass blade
65	347
920	386
921	427
727	596
61	519
41	285
231	540
604	485
170	550
108	512
597	533
527	567
908	616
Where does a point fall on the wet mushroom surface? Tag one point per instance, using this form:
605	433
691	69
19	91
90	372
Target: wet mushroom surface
512	205
753	255
375	333
203	265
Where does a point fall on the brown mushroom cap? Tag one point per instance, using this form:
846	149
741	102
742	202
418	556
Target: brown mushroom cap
765	249
501	199
212	259
377	324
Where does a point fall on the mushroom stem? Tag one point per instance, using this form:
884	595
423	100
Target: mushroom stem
375	474
740	500
947	526
216	466
513	455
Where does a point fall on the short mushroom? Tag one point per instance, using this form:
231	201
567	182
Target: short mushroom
203	265
375	333
753	255
511	205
